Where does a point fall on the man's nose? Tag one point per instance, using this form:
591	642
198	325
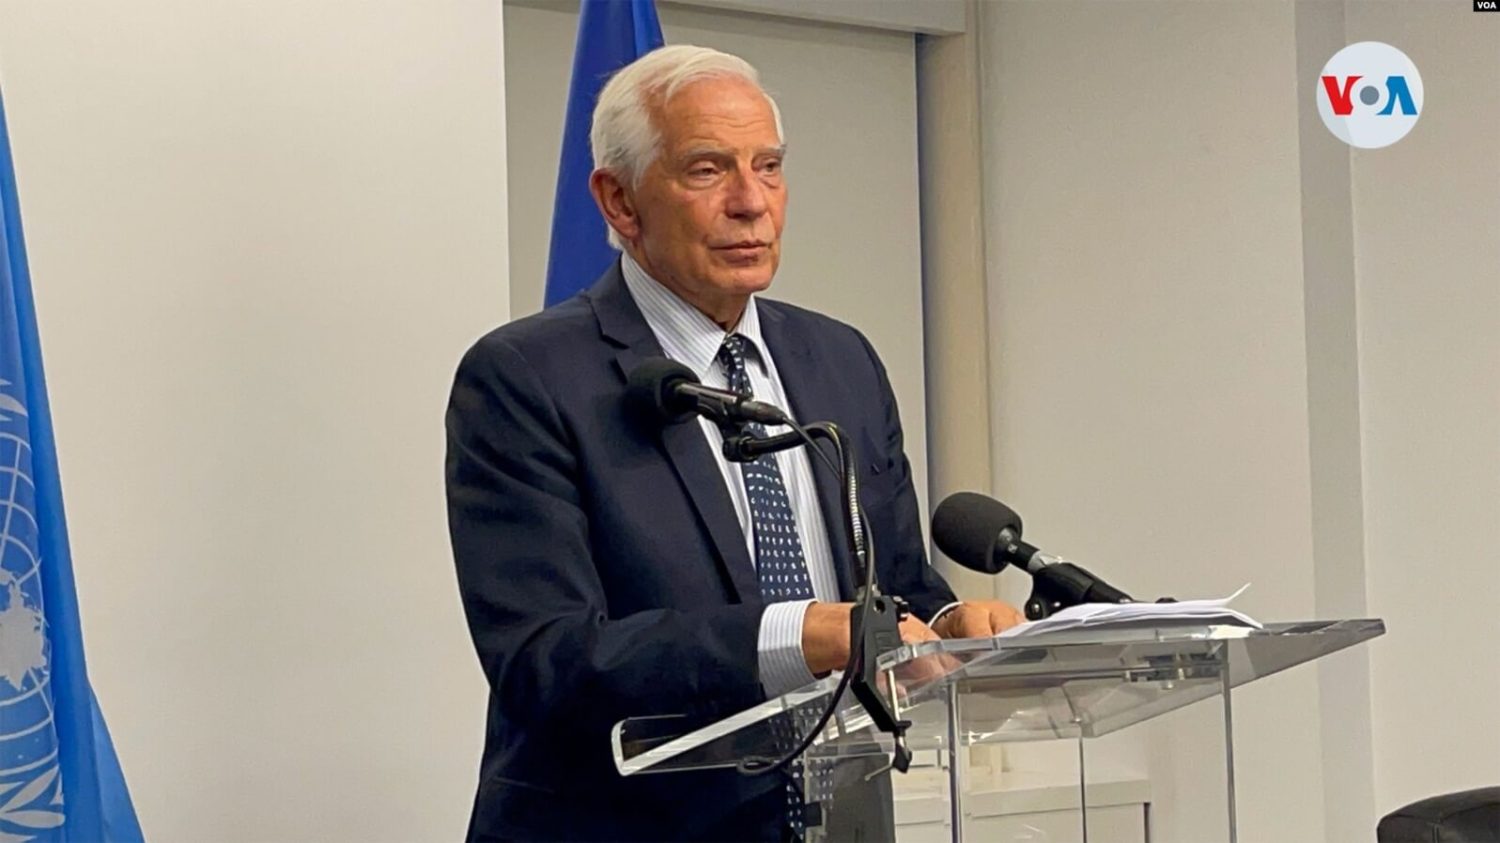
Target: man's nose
747	195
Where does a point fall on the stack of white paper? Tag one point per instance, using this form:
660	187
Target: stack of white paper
1092	615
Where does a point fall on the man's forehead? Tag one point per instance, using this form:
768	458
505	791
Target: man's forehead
704	138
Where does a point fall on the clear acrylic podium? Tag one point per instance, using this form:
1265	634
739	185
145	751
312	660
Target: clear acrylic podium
1077	683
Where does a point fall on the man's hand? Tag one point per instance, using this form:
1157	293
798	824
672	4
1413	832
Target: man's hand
825	635
977	619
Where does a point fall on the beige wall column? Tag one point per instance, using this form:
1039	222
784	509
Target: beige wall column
954	313
1333	419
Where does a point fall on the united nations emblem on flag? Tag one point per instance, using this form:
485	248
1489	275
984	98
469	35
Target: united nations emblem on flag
52	734
30	790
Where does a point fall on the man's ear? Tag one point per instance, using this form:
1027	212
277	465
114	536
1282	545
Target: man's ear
616	204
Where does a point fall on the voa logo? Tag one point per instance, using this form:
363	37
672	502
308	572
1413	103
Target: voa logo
1370	95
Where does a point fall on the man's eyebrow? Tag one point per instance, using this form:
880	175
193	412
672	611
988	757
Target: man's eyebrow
719	152
702	152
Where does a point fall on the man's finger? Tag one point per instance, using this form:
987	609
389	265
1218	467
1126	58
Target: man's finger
1003	618
913	630
972	624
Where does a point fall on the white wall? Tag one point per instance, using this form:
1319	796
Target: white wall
1225	349
848	102
261	234
1150	405
1427	251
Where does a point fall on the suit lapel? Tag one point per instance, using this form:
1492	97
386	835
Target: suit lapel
621	323
812	395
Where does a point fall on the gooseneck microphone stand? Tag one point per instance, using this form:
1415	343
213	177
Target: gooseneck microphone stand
875	620
1063	584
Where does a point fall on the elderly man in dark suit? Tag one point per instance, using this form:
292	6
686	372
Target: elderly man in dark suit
611	567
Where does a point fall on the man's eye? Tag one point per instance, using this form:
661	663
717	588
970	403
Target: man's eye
772	166
702	172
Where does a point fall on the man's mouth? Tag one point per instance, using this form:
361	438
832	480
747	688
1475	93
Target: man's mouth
743	248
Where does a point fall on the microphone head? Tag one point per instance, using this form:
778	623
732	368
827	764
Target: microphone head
967	526
651	391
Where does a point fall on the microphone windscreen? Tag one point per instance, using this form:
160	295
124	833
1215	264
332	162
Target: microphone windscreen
650	390
966	525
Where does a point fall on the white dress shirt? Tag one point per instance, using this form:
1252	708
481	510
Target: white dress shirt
691	338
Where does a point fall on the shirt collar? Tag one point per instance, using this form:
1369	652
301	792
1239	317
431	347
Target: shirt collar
684	332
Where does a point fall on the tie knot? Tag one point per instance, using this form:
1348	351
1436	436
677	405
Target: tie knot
732	352
732	358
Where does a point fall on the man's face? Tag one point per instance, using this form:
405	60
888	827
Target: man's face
712	205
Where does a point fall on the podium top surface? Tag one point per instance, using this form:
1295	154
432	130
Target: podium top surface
1064	684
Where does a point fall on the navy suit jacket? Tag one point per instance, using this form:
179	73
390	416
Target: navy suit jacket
604	572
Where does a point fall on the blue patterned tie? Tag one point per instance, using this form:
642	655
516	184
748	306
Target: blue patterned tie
778	548
778	557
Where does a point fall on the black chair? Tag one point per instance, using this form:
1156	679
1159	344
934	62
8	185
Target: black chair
1472	816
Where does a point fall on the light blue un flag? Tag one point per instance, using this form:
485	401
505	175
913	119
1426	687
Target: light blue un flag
611	34
59	777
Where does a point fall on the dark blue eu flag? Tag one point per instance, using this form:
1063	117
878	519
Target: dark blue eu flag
59	777
611	34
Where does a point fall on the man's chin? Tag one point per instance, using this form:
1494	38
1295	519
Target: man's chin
746	280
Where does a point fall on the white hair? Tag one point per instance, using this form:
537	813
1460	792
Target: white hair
624	135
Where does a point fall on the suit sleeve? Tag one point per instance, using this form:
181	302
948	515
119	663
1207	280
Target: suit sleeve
901	552
531	592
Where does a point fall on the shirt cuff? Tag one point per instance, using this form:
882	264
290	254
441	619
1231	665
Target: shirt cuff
943	611
783	667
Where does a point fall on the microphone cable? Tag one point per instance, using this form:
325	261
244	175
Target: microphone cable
863	546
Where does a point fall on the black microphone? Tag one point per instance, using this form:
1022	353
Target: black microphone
983	534
746	448
669	392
